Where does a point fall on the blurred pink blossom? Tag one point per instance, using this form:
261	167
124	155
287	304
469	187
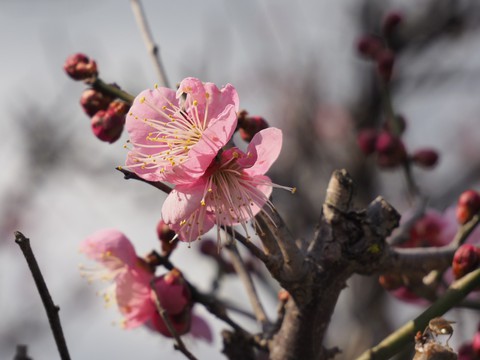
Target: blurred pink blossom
175	136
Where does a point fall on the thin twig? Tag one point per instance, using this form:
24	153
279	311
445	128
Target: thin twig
152	48
401	337
257	252
158	184
179	344
51	309
247	281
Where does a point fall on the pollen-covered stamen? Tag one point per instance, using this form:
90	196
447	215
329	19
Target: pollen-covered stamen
173	135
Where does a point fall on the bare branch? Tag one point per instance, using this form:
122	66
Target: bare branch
51	309
247	281
152	48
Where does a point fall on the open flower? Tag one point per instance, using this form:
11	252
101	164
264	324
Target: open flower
132	291
232	190
174	136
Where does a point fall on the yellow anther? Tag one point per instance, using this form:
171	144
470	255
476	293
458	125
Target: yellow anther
294	190
142	100
155	86
195	102
202	202
164	107
207	95
235	155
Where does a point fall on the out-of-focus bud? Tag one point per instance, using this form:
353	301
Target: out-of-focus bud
426	158
366	139
468	205
165	235
390	149
466	352
369	46
173	292
80	67
476	344
391	22
248	126
209	248
385	61
283	295
107	125
93	101
465	260
391	281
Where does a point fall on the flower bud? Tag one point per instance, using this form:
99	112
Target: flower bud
80	67
391	22
248	126
465	260
385	61
466	352
181	323
173	292
366	140
468	205
369	46
391	151
166	235
476	344
391	281
426	158
93	100
107	125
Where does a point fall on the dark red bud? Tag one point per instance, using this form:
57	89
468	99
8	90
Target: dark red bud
283	295
391	151
120	107
366	139
385	62
165	235
248	126
468	205
93	101
391	22
465	260
80	67
209	248
466	352
426	158
107	125
369	46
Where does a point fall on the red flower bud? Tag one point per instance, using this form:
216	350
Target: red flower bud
391	151
468	205
173	292
476	344
466	352
107	125
465	260
426	158
385	61
80	67
209	248
248	126
165	235
93	101
366	140
391	22
391	281
369	46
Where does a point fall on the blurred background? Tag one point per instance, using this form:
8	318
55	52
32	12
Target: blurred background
294	63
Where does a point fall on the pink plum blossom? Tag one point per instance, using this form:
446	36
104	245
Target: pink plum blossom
174	136
132	291
232	190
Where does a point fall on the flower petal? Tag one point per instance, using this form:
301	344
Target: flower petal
265	148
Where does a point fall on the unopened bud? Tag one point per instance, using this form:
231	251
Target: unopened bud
93	100
468	205
391	281
165	235
390	149
391	22
366	140
80	67
107	125
209	248
248	126
173	292
283	295
369	46
465	260
476	344
466	352
385	62
426	158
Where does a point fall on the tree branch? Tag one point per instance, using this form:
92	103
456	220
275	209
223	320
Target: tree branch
152	48
51	309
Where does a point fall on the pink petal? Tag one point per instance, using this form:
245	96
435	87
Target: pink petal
200	329
133	295
265	148
109	247
182	202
